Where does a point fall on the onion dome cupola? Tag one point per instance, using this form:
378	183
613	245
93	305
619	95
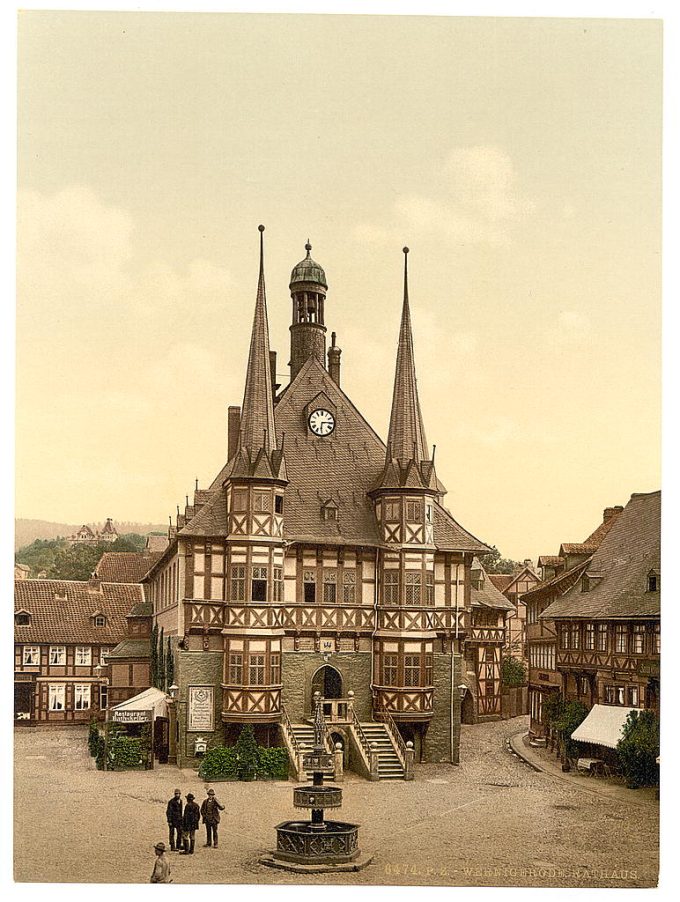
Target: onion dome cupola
308	288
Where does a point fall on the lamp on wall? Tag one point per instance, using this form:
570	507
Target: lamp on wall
173	690
462	689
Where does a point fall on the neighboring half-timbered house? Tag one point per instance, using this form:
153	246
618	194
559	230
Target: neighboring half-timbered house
608	624
319	558
62	633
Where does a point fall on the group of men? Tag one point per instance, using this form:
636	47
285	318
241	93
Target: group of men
183	822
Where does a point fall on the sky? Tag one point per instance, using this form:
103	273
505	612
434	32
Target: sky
519	159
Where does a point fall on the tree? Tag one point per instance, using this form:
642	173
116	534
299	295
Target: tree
494	563
161	661
513	672
153	644
638	749
246	750
169	666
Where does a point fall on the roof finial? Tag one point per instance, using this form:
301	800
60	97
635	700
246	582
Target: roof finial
405	273
308	247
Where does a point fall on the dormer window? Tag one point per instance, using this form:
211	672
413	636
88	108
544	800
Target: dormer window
653	581
329	510
99	620
585	583
22	618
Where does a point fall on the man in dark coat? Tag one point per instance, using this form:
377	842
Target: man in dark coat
173	814
190	821
210	812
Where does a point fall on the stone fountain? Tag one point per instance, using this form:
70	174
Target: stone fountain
317	845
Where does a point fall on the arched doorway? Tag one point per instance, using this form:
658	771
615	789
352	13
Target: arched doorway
328	681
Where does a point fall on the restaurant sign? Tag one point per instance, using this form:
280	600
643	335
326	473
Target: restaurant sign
131	716
201	709
648	668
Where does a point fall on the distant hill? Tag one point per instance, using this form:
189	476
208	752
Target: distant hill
27	531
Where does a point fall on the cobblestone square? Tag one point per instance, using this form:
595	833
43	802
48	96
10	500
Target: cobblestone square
492	821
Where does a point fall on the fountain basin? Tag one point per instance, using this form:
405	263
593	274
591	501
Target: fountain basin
334	843
317	797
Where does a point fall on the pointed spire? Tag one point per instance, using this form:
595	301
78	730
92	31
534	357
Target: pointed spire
406	439
257	416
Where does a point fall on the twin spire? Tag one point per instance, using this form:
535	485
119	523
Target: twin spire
257	414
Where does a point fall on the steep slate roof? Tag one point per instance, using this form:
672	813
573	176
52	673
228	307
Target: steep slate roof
406	437
577	548
157	543
70	619
489	596
628	552
550	560
341	467
125	566
257	412
562	580
501	580
131	648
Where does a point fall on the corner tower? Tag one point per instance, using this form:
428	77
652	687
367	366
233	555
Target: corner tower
308	331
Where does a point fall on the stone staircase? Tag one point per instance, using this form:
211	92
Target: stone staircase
304	735
389	763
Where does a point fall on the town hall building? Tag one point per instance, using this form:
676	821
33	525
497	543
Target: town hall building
321	559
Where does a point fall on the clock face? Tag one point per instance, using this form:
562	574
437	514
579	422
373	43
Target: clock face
321	422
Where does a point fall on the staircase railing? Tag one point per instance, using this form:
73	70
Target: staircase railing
288	729
382	714
293	746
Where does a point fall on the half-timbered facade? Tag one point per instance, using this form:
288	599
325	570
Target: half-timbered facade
63	631
544	677
608	624
319	557
484	648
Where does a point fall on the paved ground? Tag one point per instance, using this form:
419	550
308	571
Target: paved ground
492	821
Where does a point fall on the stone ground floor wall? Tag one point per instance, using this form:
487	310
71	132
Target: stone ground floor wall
196	669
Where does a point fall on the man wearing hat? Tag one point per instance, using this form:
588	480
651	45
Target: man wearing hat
210	812
190	821
173	814
161	868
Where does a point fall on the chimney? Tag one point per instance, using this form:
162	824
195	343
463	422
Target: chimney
334	361
272	367
610	512
233	426
528	563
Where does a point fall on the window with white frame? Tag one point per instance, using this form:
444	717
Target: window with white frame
31	655
621	638
81	697
57	654
100	620
56	696
83	655
638	639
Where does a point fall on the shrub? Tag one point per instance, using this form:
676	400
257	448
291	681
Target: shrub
100	756
272	763
219	764
246	750
572	715
638	749
513	672
124	751
93	739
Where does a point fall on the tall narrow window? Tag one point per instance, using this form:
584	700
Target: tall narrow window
589	636
602	637
429	587
278	584
57	696
81	697
412	591
620	695
278	504
390	665
391	509
275	668
259	584
236	667
564	636
657	639
238	582
391	587
239	500
428	670
639	639
609	695
633	696
256	670
621	639
309	584
412	670
349	578
575	635
329	586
